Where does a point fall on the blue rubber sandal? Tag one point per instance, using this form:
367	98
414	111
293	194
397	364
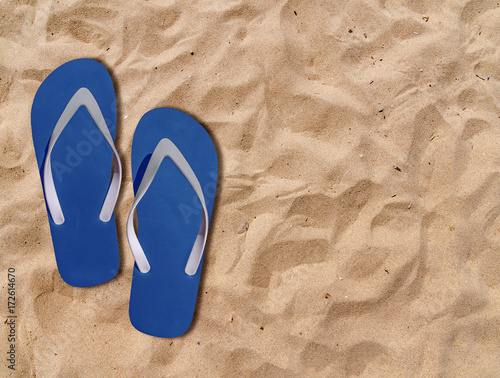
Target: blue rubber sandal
73	121
174	199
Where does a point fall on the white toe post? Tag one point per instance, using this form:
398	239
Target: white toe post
166	148
82	97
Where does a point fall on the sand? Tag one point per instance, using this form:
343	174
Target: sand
356	230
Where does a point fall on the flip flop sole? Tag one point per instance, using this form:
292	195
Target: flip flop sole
169	216
85	247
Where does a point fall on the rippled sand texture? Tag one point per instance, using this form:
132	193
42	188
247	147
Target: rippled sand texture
356	231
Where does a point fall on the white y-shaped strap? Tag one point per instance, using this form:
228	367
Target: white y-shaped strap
166	148
82	97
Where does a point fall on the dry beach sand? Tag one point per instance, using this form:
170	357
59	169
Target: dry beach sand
357	226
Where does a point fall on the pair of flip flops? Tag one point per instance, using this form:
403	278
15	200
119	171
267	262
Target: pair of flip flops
174	170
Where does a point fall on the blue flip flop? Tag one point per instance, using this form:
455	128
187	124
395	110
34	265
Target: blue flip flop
174	168
73	122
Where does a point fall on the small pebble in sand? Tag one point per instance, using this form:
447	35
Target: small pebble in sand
243	227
